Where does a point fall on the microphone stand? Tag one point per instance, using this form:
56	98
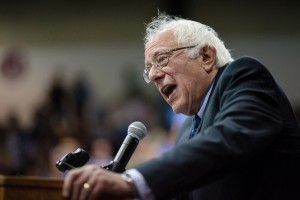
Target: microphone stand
114	167
79	158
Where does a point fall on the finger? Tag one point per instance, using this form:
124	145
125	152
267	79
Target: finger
88	186
67	185
74	181
78	184
85	191
105	185
96	189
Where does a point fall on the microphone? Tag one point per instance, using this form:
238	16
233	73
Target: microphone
72	160
136	131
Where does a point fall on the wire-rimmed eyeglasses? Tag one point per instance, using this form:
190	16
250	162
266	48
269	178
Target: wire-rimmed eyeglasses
161	60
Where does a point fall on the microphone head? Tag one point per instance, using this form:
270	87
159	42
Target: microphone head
137	129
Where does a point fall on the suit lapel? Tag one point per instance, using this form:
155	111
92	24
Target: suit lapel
215	82
186	128
185	131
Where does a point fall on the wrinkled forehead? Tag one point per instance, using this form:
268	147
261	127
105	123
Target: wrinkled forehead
160	42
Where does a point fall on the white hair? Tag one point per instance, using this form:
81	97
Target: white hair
188	33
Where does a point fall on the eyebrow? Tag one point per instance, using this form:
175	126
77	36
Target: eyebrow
158	53
161	52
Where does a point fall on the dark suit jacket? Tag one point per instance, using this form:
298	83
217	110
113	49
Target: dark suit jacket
247	146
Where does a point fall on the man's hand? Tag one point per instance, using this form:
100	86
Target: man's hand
92	182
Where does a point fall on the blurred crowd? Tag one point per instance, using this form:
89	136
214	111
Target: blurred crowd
67	119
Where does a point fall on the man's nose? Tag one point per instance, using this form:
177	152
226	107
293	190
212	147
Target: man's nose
155	73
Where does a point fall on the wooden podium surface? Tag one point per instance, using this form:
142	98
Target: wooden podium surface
33	188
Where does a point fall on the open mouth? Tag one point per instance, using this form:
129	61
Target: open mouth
167	91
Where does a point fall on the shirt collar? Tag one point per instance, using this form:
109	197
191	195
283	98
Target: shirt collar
201	111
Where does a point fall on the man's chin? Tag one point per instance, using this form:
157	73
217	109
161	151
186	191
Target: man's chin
180	110
177	109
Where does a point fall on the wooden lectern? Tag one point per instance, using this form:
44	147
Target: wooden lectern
30	188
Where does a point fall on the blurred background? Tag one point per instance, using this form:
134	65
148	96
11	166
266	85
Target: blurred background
71	73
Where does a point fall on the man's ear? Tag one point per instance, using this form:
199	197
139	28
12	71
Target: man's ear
209	57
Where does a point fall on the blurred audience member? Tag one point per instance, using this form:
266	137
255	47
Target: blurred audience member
101	152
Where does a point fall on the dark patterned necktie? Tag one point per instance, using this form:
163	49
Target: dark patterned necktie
196	122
